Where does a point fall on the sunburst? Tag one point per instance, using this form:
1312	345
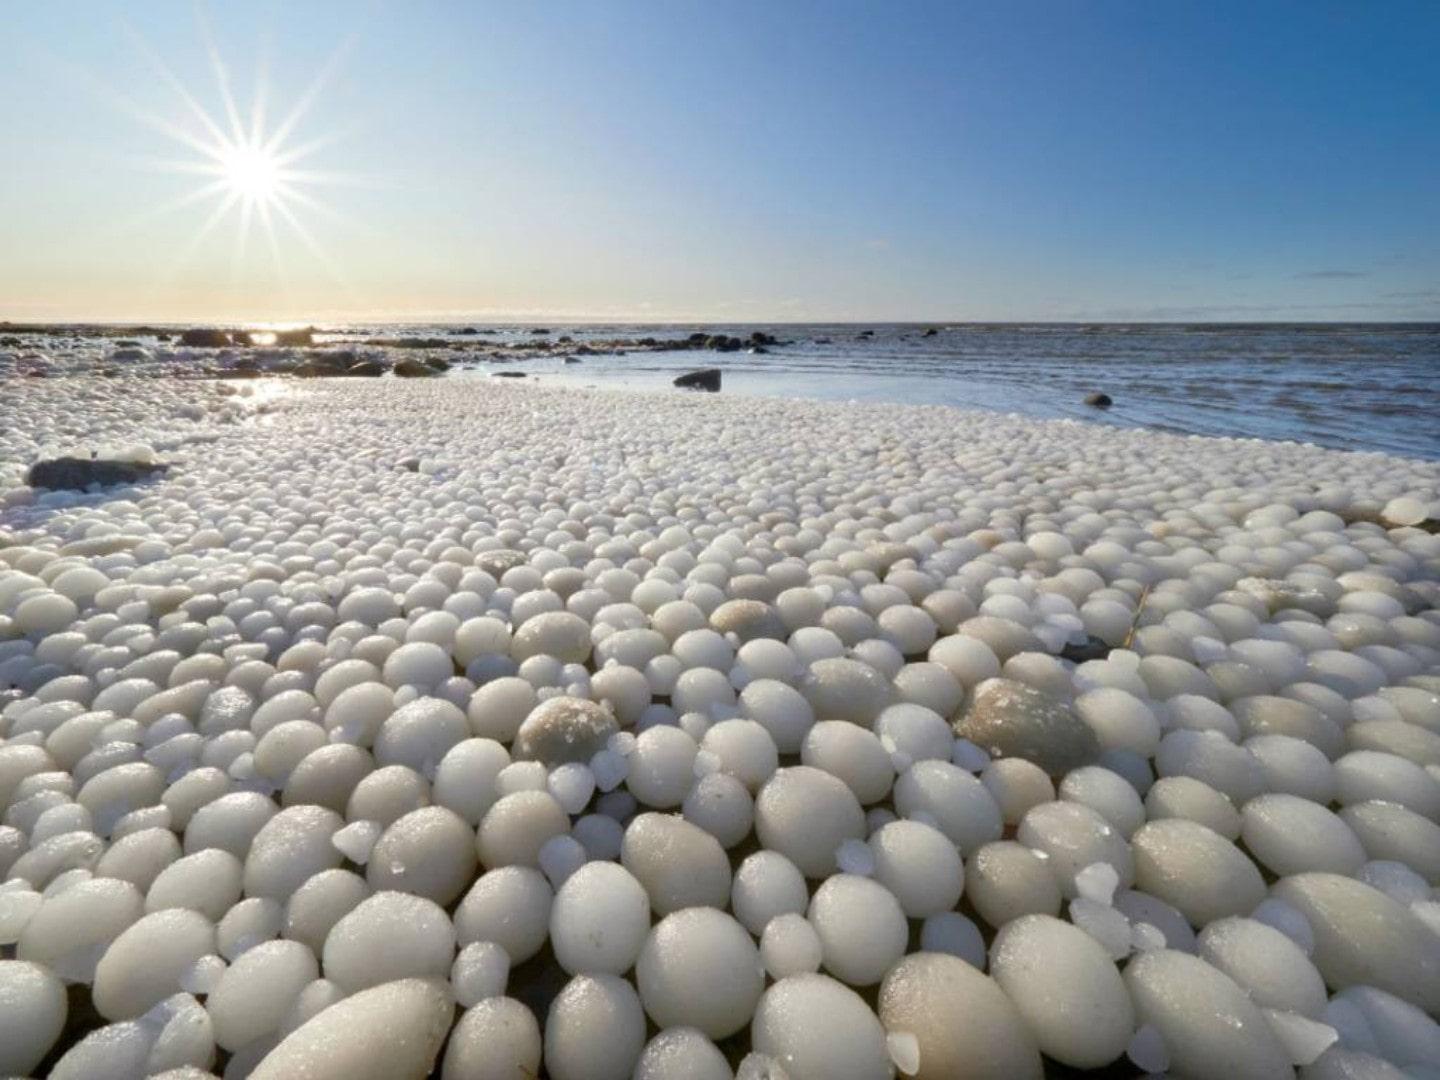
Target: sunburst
250	168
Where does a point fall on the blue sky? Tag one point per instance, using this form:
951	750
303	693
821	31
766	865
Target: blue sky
705	159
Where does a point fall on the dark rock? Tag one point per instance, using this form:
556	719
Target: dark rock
468	331
759	337
304	337
1098	400
438	363
584	350
704	379
540	330
162	337
77	474
366	369
931	332
241	337
509	374
1010	719
413	369
572	359
565	339
205	339
865	333
698	338
1092	648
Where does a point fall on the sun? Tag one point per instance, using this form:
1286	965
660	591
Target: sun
251	172
249	165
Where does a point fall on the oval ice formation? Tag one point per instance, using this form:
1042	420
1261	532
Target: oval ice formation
870	741
391	1030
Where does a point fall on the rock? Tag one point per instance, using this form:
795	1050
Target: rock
1098	400
540	330
241	337
704	379
1092	648
1010	719
931	332
205	339
509	374
438	363
77	474
759	337
413	369
366	369
468	331
564	729
572	359
305	337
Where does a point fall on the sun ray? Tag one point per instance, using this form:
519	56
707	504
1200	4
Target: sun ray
222	74
307	99
248	171
173	81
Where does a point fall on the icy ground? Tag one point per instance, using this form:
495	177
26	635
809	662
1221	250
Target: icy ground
486	730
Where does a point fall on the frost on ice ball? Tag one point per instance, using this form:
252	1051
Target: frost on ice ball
964	1025
32	1017
599	920
394	1029
1067	989
700	969
805	813
820	1030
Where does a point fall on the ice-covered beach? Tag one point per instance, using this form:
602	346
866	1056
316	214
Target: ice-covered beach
480	729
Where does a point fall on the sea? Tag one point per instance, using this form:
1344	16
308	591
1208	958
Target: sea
1349	386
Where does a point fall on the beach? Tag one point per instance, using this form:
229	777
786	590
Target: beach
382	722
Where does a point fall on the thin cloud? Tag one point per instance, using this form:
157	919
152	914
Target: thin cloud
1331	275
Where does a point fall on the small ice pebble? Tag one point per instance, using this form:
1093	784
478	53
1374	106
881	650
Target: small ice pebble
480	971
821	1030
595	1030
389	936
496	1039
599	920
33	1008
964	1023
682	1052
386	1031
1208	1024
1067	988
699	968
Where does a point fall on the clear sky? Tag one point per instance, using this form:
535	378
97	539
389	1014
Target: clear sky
723	160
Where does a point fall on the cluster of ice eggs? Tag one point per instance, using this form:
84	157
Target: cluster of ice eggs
612	736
